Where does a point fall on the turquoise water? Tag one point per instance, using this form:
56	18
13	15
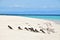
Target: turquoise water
46	17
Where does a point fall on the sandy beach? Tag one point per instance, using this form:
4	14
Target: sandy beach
19	21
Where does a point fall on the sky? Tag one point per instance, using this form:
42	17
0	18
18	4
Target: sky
29	6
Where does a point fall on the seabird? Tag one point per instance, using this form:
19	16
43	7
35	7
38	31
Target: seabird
36	30
20	28
31	29
10	27
42	30
26	28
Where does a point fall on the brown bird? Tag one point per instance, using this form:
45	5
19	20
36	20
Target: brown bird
10	27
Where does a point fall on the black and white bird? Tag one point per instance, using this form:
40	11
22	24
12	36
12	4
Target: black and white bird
26	28
20	28
31	29
10	27
42	30
36	30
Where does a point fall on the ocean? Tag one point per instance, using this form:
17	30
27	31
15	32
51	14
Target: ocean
39	16
57	18
51	18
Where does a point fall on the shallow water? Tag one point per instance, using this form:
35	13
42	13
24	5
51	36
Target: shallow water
52	18
46	17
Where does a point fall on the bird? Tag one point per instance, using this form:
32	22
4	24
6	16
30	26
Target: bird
31	29
26	28
42	30
19	28
10	27
36	30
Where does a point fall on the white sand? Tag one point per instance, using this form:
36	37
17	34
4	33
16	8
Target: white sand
15	21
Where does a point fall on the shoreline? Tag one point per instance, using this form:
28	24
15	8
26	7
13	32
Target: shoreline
56	21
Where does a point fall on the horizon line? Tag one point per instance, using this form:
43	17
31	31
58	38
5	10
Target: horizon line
32	14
